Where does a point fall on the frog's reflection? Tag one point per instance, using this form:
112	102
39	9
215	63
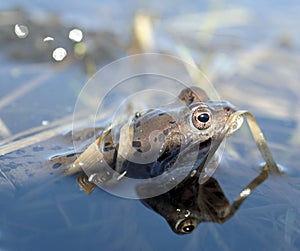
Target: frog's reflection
190	203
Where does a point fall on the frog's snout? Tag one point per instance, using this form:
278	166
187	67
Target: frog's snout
228	107
234	121
224	107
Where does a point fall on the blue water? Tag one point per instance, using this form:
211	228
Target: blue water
55	215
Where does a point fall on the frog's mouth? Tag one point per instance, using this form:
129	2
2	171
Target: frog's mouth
233	123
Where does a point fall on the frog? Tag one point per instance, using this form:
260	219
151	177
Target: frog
156	141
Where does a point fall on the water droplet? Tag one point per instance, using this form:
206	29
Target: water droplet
21	30
59	54
76	35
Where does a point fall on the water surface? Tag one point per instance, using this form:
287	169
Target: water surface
253	63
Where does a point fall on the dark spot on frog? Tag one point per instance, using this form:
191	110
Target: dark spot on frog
37	148
56	165
161	114
136	144
166	132
139	150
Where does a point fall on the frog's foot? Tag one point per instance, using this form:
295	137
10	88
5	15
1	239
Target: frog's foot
85	184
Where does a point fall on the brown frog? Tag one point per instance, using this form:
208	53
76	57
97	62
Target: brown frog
177	136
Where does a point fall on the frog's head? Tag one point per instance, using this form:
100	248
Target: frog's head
205	120
204	117
192	116
188	125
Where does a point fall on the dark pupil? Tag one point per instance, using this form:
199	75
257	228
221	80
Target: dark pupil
204	117
188	229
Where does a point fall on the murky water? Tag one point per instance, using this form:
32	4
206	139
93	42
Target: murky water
249	52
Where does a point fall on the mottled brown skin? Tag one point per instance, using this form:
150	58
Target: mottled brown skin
162	132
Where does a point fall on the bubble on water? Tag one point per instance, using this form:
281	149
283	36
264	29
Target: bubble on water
76	35
47	39
21	30
45	122
59	54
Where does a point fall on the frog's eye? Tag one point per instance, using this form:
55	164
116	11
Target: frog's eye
187	226
202	118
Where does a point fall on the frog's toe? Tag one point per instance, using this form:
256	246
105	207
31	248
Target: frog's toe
85	184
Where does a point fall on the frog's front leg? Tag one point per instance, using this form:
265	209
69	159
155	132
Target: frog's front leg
92	166
85	184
